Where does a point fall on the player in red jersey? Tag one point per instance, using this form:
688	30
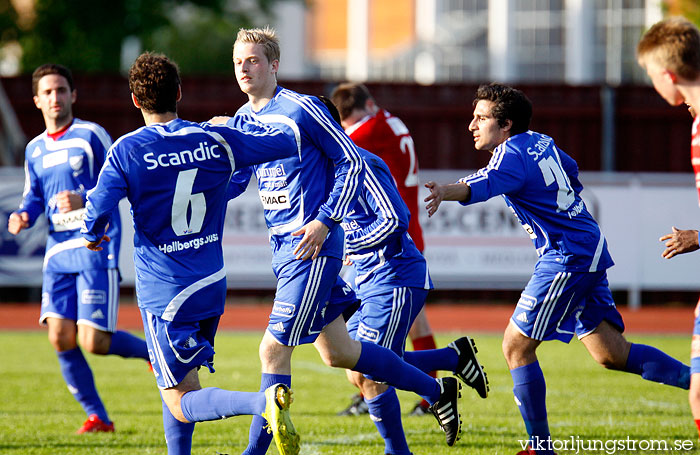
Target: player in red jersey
670	53
376	130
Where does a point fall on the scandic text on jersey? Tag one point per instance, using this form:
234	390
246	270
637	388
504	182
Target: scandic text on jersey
202	153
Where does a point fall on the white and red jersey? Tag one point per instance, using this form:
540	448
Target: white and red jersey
695	152
387	136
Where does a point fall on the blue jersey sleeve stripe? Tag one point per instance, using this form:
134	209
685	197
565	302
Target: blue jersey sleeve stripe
100	132
389	222
351	181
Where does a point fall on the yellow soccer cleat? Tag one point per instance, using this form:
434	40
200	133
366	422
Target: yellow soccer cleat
279	398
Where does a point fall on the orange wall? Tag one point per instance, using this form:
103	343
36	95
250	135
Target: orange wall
391	26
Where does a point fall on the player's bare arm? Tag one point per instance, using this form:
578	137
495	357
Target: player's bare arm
679	241
449	192
67	201
314	233
219	120
17	222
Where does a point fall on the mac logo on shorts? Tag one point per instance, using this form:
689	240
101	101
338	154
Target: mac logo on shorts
527	302
93	297
367	333
283	309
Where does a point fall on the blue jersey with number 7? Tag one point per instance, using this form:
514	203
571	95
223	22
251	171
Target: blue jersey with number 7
539	182
175	175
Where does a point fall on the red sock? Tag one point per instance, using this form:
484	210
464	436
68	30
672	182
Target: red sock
423	344
697	424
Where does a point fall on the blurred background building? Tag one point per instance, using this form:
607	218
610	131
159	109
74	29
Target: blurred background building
422	60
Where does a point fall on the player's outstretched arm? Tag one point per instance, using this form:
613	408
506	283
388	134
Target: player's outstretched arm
679	242
449	192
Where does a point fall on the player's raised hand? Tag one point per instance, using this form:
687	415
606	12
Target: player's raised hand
435	198
67	201
17	222
679	242
314	233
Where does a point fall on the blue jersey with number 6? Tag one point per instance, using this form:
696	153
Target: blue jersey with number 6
175	176
539	182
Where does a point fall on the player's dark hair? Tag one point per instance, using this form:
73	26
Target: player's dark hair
349	96
331	108
508	104
154	80
51	68
674	43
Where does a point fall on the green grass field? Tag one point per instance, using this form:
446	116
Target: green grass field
39	416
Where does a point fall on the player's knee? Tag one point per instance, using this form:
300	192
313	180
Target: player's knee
695	347
335	358
694	396
62	340
94	341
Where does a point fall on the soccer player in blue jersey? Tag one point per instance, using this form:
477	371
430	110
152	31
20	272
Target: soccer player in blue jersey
568	293
392	282
175	174
80	292
305	197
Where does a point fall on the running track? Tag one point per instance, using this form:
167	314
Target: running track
447	317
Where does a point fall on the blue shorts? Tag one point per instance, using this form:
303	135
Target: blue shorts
555	305
90	297
175	348
343	300
303	291
386	318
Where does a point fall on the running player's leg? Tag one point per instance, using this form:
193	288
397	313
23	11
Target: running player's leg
59	312
98	308
179	349
422	338
600	328
694	394
297	317
384	319
545	311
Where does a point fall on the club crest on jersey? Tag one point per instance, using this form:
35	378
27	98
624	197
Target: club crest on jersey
283	309
76	163
275	200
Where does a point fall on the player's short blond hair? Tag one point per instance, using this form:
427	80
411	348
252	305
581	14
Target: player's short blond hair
267	36
673	43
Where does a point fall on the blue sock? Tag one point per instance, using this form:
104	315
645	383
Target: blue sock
382	364
258	438
127	345
385	412
212	403
655	365
530	390
444	359
178	435
78	376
